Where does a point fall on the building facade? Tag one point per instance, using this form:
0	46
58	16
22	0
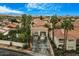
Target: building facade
39	35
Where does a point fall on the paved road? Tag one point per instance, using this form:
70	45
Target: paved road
6	52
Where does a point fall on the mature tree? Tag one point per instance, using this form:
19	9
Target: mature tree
12	36
13	20
54	21
26	21
28	31
67	24
1	36
21	37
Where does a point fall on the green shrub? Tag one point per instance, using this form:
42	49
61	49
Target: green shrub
25	46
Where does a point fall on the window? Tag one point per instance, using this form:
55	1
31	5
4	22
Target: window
61	40
35	33
60	46
42	33
70	47
70	40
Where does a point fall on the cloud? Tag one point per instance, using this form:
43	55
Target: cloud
35	5
44	7
4	9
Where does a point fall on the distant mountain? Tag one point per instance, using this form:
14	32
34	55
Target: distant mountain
10	14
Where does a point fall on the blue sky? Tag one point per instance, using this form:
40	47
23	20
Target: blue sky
61	9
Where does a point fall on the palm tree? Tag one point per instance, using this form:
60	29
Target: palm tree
67	24
54	21
41	17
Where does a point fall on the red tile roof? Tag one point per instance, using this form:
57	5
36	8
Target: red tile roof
11	25
38	23
74	34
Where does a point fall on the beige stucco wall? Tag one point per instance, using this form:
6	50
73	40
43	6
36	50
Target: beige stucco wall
71	45
56	41
39	29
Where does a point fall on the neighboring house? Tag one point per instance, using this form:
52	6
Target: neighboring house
59	40
72	39
11	25
38	26
4	30
39	34
6	26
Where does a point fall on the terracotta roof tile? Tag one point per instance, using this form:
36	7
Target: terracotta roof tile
71	34
38	22
11	25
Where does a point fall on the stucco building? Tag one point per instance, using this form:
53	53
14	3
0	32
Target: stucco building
72	37
40	40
